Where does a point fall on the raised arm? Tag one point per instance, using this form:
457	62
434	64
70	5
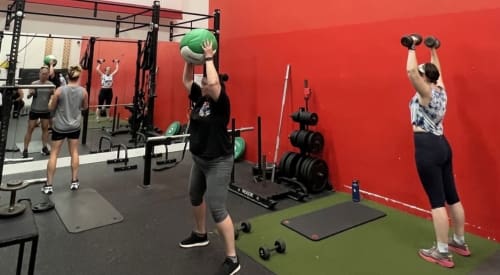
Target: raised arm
435	61
214	87
117	66
187	76
418	82
52	71
98	69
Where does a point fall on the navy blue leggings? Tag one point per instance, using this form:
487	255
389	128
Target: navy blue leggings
433	157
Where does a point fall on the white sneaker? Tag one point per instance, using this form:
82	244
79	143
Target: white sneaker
74	185
47	189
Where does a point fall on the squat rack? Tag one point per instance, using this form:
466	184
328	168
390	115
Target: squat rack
15	13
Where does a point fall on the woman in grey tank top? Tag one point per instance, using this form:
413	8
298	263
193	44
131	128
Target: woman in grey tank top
67	103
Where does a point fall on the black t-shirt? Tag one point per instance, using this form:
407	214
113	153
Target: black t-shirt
208	124
56	80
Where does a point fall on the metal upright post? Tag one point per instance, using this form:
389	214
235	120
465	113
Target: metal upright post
153	50
217	36
88	86
11	79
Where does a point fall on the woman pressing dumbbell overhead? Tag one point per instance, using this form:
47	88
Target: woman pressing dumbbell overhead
433	154
106	92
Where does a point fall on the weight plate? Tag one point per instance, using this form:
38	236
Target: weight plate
298	166
173	129
283	161
239	147
293	138
318	175
313	119
301	139
291	164
316	142
303	170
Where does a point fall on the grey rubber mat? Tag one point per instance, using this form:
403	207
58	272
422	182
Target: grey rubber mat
84	209
332	220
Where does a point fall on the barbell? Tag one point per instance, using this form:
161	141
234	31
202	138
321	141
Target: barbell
27	86
159	138
111	105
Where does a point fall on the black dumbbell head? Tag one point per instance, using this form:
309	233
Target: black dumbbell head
264	252
417	37
406	41
246	227
432	42
280	246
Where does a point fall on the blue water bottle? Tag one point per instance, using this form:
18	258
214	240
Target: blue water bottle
355	191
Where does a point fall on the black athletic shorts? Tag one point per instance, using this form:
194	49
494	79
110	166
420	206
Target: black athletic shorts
59	136
35	116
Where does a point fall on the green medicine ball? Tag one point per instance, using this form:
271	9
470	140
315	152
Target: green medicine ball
46	59
192	42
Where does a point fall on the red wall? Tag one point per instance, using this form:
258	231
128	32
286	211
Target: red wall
350	53
171	101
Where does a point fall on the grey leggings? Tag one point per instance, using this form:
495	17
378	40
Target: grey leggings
211	178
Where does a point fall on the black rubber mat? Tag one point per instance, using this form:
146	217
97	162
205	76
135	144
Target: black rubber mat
332	220
84	209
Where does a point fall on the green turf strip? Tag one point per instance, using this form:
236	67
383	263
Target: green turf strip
103	122
386	246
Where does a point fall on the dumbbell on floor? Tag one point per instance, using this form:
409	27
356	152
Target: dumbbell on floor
243	226
411	40
265	252
432	42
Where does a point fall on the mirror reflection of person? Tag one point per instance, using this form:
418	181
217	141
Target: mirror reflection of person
58	79
106	92
17	103
39	111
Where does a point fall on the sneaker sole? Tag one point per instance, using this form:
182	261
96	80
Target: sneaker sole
194	245
459	251
432	260
235	270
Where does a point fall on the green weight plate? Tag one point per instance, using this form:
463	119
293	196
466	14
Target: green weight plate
239	147
173	129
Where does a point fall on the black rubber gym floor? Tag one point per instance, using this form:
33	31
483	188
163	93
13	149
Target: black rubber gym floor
146	242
